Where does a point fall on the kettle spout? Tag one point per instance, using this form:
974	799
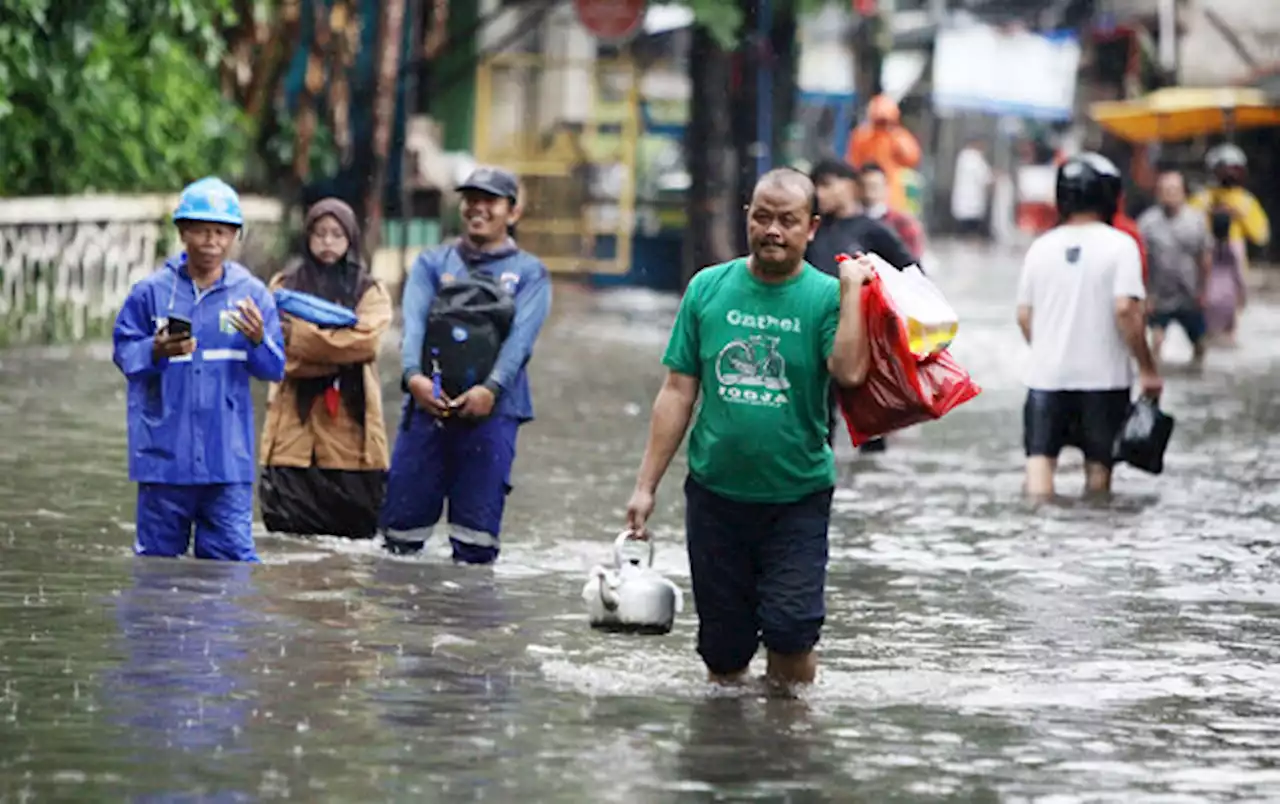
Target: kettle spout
608	593
601	585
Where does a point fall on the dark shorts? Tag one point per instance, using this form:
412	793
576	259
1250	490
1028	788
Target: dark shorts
759	574
1191	320
1088	420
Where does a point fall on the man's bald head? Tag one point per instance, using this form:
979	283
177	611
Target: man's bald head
780	222
786	180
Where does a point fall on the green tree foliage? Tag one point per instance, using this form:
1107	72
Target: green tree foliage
114	95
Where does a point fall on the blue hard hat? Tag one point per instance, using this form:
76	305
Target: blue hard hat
210	199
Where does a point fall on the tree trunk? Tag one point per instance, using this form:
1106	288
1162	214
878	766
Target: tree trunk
710	157
390	39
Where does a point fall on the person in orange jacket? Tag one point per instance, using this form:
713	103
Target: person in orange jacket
884	141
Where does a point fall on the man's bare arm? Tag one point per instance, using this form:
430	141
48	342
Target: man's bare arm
850	358
672	410
1024	321
1132	320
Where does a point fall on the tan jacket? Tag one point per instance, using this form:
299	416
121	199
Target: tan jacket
334	442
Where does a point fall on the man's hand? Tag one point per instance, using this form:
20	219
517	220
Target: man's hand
165	346
1151	383
249	321
286	328
475	403
423	392
858	271
639	509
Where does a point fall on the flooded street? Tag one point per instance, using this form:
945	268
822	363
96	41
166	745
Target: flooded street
977	648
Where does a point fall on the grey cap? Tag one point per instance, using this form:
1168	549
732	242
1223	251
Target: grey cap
494	181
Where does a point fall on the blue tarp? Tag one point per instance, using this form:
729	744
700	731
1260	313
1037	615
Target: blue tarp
315	310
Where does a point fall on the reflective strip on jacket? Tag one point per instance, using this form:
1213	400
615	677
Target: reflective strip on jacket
190	418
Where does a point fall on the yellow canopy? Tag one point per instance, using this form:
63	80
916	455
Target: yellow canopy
1181	113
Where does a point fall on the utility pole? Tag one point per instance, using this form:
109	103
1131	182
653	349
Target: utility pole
868	54
764	87
1168	18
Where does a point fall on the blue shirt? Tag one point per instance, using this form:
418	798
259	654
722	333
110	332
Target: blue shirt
190	418
523	275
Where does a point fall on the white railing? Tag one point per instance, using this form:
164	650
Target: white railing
66	264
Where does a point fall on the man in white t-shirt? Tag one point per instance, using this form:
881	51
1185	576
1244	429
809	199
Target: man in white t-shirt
969	189
1080	307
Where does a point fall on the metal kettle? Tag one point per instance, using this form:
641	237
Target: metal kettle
631	597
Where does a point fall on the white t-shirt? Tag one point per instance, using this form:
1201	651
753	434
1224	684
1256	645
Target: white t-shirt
1071	279
969	189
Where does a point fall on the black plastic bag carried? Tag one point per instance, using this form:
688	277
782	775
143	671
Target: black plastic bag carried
1144	437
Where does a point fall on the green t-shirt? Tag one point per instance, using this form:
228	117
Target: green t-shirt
760	353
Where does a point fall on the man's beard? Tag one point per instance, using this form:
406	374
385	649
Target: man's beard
774	265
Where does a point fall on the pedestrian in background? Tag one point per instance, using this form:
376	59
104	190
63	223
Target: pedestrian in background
1081	310
882	140
874	186
970	190
324	446
845	228
1229	167
188	339
1178	256
1225	294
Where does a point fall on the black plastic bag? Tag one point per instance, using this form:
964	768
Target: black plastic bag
1144	437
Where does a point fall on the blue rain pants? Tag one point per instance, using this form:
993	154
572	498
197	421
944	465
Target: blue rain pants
219	514
467	464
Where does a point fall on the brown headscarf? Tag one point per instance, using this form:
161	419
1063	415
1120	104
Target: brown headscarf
345	282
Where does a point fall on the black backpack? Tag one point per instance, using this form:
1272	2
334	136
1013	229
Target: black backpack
467	324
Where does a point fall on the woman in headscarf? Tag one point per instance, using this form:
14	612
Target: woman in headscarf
324	446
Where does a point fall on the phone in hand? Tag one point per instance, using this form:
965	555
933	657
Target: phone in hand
178	325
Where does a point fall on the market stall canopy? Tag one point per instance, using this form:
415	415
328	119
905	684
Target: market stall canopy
1181	113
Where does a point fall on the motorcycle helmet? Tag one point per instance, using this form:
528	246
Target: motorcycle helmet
1089	182
1225	155
1227	163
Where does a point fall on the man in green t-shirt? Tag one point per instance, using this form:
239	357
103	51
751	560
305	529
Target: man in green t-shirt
761	338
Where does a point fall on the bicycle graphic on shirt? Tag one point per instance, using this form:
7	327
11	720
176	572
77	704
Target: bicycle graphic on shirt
754	362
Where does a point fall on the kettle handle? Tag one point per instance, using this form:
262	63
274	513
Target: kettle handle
627	536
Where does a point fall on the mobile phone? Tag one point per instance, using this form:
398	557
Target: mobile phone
179	326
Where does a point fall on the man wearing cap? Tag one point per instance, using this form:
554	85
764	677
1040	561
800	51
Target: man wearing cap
460	448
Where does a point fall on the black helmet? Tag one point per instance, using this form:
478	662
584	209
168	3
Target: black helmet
1089	182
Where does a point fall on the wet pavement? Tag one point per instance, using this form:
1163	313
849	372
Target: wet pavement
978	648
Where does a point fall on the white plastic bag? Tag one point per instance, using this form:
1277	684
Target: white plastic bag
929	319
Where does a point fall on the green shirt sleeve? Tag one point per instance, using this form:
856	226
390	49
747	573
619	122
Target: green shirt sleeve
682	348
830	320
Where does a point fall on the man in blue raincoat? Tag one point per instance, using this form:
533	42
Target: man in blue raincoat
459	446
188	339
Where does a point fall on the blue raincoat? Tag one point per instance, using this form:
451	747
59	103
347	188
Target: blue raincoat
190	418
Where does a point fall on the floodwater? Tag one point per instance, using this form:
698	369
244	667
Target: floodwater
977	649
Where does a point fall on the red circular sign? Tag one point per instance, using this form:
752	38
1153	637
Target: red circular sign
611	20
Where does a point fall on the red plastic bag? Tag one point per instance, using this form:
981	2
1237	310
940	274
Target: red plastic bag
899	390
